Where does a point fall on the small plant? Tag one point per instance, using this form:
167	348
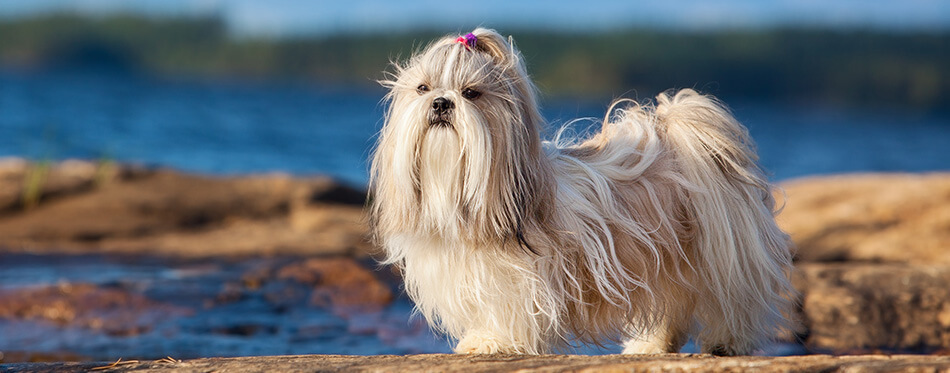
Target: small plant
105	171
34	181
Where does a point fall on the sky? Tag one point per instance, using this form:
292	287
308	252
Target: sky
296	17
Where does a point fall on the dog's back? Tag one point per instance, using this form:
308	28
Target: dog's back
673	206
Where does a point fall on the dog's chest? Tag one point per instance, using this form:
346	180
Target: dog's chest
458	278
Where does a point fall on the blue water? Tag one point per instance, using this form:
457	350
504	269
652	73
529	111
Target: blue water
230	127
204	308
201	308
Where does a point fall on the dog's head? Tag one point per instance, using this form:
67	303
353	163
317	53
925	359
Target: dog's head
459	152
476	79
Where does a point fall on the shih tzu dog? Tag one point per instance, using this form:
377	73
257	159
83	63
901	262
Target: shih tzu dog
657	227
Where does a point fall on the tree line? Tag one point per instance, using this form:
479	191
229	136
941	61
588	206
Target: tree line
850	67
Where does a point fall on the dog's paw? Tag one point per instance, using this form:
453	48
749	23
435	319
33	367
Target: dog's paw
723	350
481	344
641	347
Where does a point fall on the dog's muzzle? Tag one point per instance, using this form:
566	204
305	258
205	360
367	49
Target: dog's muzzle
441	111
442	105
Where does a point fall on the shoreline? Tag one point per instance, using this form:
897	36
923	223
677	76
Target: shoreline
872	258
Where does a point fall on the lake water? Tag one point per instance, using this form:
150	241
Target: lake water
197	308
201	308
227	127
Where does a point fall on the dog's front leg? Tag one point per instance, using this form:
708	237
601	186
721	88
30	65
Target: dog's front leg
668	335
479	342
661	339
506	326
486	342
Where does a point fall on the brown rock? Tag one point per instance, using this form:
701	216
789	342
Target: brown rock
333	216
112	310
341	284
24	185
889	234
876	307
12	177
161	202
39	357
167	212
507	363
902	218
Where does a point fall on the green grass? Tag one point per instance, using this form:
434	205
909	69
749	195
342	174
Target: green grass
34	180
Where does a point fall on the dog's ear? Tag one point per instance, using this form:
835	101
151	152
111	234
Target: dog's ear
509	59
525	188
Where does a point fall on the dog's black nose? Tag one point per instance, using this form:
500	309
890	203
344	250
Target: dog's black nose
441	105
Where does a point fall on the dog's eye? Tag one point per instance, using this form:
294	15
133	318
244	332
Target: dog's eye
422	88
470	94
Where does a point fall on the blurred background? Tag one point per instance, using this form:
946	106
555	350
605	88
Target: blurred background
236	87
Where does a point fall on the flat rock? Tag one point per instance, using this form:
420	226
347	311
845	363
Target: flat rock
873	260
898	218
873	250
82	207
503	363
110	310
341	284
861	307
24	184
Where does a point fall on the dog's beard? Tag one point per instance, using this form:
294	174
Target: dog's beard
452	168
459	175
440	164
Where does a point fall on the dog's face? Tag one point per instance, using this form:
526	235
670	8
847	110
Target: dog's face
451	86
460	137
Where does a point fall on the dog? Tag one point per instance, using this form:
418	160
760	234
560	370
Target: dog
657	227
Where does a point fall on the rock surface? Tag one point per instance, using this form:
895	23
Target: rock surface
101	307
341	284
873	260
113	311
83	207
872	218
873	251
868	308
504	363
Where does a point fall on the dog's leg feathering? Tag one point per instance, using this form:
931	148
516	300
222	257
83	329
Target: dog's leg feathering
669	337
668	334
743	257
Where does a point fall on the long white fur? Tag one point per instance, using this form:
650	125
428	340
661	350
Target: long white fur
659	225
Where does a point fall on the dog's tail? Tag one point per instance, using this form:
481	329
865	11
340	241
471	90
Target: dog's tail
744	258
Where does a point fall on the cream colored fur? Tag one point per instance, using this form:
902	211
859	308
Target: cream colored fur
658	226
